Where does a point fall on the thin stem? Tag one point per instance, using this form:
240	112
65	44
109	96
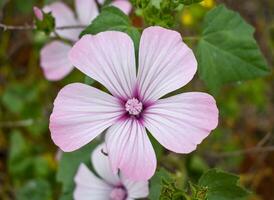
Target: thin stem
32	27
11	27
57	35
70	27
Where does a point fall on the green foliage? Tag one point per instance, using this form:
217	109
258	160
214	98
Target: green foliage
196	166
227	51
158	148
189	2
19	161
48	2
35	190
23	6
24	161
221	186
114	19
157	183
88	80
213	185
160	12
18	98
68	166
163	187
157	12
47	25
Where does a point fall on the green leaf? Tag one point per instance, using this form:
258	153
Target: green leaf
158	148
158	12
156	3
18	146
48	2
69	164
222	186
19	160
157	183
163	187
227	51
67	196
112	18
189	2
23	160
88	80
16	96
35	190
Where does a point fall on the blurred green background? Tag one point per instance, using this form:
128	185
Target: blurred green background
28	157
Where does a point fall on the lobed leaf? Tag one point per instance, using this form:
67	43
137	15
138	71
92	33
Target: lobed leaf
227	51
222	186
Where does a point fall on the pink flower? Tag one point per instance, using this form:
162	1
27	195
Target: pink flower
166	64
54	61
38	13
110	187
124	5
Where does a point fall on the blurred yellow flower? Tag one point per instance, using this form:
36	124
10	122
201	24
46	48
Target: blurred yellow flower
208	3
187	18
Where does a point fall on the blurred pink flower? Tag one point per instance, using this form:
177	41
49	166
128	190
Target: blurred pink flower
166	64
124	5
54	56
38	13
110	187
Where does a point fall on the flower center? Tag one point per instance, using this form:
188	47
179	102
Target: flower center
118	193
134	106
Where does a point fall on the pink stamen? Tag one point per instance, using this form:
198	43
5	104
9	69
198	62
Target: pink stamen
118	194
134	106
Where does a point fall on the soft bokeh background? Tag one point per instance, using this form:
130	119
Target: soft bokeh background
28	157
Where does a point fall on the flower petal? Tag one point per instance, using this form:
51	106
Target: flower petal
165	63
86	10
64	17
88	185
54	60
130	150
136	189
101	2
102	166
38	13
123	5
181	122
107	57
81	113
